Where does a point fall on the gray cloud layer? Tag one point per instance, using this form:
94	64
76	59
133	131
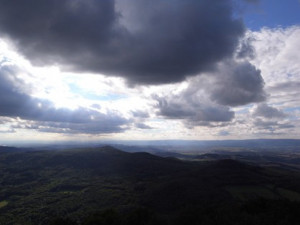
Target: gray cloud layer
14	102
272	126
208	98
193	109
148	42
263	110
237	83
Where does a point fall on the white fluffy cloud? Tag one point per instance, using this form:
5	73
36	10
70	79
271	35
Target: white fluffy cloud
277	54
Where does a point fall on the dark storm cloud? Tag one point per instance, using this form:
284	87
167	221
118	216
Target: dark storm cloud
263	110
237	83
147	42
15	103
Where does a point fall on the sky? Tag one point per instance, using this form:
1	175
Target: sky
94	70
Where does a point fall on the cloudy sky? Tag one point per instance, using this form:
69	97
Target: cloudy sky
149	70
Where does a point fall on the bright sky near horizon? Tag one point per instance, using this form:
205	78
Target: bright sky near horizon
140	70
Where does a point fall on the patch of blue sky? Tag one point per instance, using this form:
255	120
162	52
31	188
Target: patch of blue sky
292	109
109	97
272	14
244	110
94	96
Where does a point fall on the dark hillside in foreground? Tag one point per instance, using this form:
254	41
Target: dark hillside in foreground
38	186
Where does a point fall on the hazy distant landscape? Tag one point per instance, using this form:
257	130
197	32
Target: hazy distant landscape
253	182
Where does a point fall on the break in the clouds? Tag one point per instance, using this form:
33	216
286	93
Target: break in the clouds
147	42
42	115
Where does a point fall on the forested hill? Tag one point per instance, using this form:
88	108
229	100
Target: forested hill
77	184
